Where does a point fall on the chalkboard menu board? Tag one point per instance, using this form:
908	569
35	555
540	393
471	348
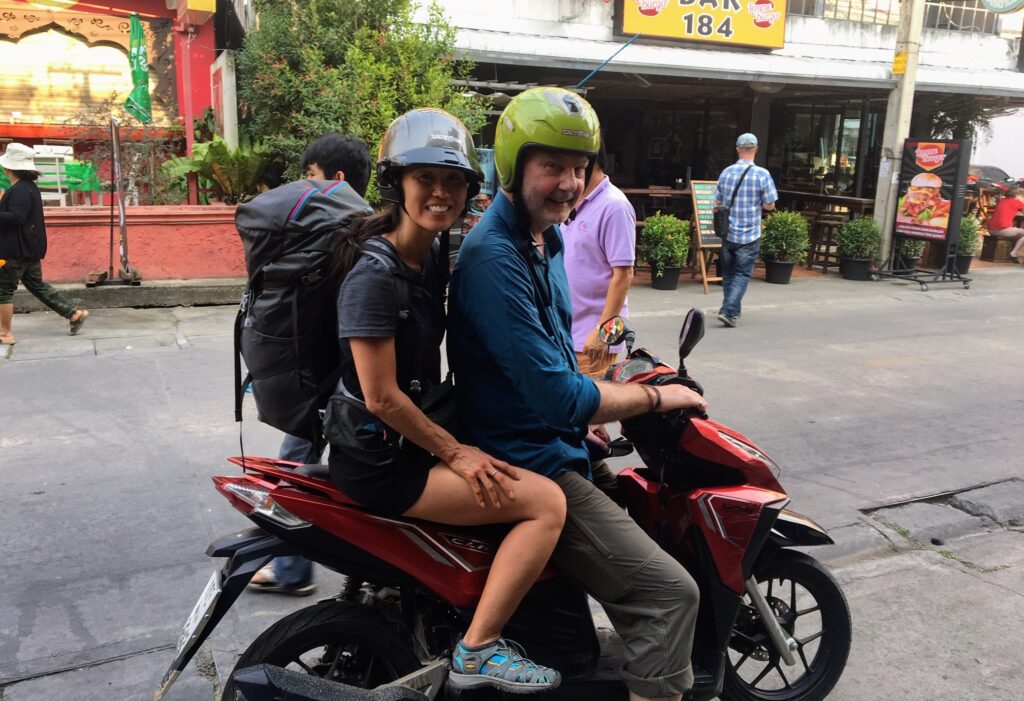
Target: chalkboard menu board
703	207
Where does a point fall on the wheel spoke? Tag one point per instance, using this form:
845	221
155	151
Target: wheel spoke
334	664
309	670
778	668
762	675
771	582
811	638
792	595
810	610
739	664
803	657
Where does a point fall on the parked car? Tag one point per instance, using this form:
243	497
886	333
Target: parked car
989	177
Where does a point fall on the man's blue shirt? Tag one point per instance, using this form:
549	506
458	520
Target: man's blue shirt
519	392
756	190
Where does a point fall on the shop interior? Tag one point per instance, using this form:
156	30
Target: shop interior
663	131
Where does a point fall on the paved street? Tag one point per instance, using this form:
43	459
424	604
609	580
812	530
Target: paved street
885	407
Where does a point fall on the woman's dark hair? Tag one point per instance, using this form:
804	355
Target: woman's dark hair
347	242
29	175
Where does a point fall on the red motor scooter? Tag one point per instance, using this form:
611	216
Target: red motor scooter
773	624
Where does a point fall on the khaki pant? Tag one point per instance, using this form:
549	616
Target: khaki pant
650	598
1013	232
595	369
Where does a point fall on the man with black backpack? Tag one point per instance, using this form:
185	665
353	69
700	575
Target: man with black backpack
335	157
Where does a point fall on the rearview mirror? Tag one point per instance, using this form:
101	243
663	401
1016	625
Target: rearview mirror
690	335
615	331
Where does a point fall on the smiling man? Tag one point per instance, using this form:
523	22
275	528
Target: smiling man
521	397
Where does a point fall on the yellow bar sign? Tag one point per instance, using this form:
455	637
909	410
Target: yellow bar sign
757	23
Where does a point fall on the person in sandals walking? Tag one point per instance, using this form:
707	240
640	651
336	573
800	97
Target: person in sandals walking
23	244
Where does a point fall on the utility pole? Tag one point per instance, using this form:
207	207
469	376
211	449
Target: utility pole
897	116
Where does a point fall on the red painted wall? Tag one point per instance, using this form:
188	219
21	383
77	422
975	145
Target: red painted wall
201	50
169	242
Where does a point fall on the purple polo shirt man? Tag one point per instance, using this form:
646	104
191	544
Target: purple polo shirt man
600	245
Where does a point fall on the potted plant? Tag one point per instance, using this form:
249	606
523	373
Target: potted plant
664	242
784	243
908	255
857	243
967	246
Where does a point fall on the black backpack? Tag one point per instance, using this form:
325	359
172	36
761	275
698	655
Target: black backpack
286	328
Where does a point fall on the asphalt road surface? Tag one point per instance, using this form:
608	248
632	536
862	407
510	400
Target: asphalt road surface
867	394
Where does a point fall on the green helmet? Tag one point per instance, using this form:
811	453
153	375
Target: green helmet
551	118
426	137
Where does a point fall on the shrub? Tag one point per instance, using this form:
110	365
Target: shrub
910	248
785	237
234	175
859	238
346	65
969	230
665	242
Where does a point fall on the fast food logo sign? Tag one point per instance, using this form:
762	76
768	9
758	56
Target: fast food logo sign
756	23
930	156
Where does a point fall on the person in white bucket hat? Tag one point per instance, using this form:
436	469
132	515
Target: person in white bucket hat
23	243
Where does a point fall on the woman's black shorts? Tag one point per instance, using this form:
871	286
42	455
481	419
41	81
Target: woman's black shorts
390	490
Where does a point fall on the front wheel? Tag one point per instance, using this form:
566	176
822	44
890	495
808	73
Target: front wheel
811	608
336	640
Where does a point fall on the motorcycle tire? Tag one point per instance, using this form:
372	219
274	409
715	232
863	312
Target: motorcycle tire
821	655
360	648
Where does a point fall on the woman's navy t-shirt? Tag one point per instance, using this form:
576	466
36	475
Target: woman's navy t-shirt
368	307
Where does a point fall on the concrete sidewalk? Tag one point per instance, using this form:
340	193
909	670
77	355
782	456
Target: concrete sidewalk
155	293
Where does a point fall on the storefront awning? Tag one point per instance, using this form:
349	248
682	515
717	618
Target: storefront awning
584	54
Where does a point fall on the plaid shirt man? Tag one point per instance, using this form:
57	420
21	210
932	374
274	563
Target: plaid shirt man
757	189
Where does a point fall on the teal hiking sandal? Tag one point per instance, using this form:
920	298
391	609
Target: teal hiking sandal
500	664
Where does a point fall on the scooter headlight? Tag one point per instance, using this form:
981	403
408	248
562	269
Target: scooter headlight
262	503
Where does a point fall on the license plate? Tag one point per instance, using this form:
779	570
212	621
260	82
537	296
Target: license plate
201	613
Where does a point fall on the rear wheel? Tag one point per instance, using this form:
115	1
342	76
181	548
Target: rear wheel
336	640
811	607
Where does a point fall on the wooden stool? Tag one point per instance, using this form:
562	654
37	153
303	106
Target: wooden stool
823	239
996	249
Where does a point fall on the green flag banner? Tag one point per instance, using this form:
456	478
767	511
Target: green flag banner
138	104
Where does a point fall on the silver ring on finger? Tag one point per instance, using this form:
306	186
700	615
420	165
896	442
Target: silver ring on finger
492	473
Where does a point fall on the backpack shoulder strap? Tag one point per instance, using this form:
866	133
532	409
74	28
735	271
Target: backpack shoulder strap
385	254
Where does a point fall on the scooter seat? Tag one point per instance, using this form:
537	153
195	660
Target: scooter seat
320	472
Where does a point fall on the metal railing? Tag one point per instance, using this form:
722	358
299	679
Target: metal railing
965	16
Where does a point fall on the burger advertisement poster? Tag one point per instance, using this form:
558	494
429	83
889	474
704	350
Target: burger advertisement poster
931	191
755	23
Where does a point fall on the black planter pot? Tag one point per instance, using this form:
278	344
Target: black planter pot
668	281
778	272
963	263
855	268
905	265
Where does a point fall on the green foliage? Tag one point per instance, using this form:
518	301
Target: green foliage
950	116
784	237
234	175
664	242
859	238
969	236
345	65
910	248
